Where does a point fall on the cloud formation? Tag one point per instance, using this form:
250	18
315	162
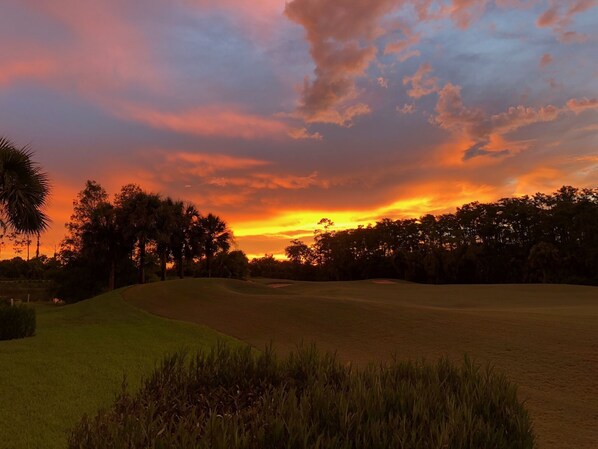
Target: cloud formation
579	105
303	133
546	59
483	130
421	82
23	70
222	121
560	15
340	36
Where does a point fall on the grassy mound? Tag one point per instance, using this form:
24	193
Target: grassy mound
76	362
231	398
544	337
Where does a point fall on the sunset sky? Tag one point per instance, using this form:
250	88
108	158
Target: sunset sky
275	114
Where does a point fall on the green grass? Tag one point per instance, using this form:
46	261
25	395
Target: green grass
544	337
233	399
76	362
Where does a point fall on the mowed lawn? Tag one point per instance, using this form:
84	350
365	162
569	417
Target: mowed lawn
76	363
545	337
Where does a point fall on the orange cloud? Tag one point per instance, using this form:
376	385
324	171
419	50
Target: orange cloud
463	12
482	132
269	181
519	116
303	133
582	104
539	179
421	83
209	121
407	108
452	114
19	70
546	60
204	164
560	15
403	48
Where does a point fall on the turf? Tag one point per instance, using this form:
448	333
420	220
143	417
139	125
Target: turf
76	363
545	337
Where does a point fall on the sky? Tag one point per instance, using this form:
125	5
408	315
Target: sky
274	114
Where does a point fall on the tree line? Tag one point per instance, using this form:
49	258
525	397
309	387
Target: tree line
545	238
115	243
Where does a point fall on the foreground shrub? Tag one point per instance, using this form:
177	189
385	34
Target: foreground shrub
233	399
16	321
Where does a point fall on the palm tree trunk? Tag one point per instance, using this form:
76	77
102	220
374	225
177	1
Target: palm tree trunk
163	265
179	266
112	275
142	261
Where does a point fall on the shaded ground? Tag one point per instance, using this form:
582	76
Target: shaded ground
544	336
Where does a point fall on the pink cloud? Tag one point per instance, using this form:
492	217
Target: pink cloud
519	116
404	48
204	164
25	69
209	121
340	35
452	114
582	104
480	134
464	12
343	43
421	83
106	52
485	135
546	60
303	133
407	108
382	82
269	181
559	17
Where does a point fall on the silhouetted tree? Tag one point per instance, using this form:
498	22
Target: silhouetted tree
215	237
23	190
139	212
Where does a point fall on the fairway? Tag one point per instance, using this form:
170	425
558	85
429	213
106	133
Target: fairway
545	337
76	363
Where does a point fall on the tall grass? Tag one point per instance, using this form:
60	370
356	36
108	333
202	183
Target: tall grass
230	398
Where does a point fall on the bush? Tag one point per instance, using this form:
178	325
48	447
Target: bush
231	398
16	321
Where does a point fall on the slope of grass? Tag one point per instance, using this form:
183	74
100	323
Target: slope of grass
545	337
75	365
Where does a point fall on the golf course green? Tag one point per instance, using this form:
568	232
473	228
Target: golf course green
544	337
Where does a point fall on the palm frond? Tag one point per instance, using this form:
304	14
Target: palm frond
24	189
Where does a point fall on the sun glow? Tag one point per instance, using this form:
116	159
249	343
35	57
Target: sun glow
297	224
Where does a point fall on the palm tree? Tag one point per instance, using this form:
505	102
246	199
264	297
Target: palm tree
23	190
216	237
139	213
168	223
